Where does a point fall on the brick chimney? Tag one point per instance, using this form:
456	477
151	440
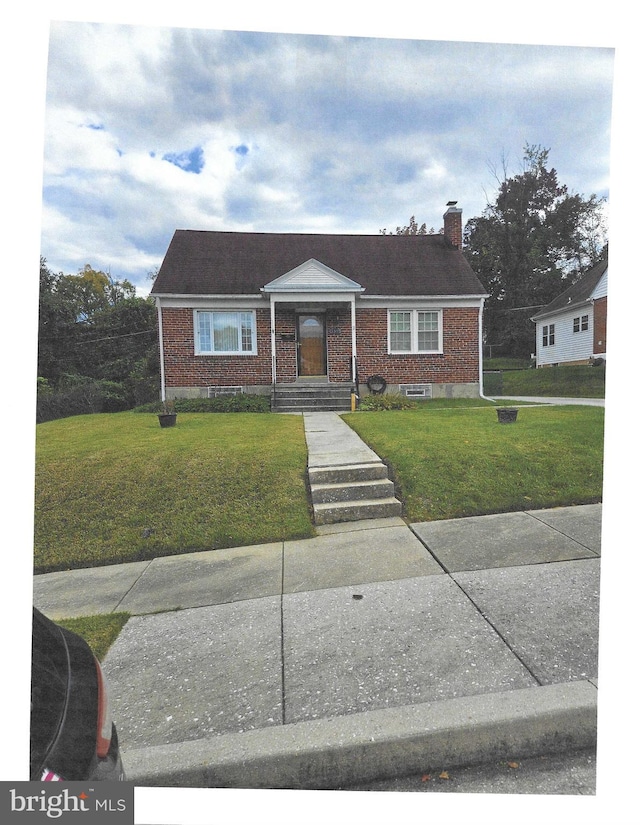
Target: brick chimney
453	224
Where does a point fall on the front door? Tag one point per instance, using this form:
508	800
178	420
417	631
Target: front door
312	346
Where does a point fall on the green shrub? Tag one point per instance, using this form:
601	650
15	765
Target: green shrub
78	395
387	401
44	387
222	404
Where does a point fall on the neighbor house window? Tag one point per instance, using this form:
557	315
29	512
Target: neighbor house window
225	333
548	335
415	330
581	324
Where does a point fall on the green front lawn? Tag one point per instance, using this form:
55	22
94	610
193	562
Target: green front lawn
116	487
449	463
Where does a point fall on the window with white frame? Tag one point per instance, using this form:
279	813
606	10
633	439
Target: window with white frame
415	330
548	335
581	324
225	332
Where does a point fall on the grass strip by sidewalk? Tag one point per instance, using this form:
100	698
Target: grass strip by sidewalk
100	632
117	487
450	463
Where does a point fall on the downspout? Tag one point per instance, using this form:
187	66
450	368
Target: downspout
480	354
161	342
273	339
353	341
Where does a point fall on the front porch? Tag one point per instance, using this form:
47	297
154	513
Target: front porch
313	325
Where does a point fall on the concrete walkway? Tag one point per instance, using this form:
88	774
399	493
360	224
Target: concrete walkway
376	649
530	399
332	443
347	480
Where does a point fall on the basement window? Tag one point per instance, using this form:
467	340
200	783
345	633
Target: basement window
416	390
216	392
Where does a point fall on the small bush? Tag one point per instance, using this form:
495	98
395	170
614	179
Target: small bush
388	401
221	404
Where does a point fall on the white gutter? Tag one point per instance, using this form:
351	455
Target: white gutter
480	355
162	389
272	304
353	339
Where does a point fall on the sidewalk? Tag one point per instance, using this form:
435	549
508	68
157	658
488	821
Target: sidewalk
375	649
353	655
530	399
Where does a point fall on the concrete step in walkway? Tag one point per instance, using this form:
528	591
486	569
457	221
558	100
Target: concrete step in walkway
348	480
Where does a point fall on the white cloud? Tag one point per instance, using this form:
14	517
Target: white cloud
337	133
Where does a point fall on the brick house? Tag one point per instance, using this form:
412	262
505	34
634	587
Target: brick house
572	329
279	313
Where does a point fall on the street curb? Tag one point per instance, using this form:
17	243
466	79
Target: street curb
361	747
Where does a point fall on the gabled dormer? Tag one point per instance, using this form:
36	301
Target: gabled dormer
312	276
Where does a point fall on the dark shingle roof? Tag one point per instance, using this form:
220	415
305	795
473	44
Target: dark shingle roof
236	263
578	293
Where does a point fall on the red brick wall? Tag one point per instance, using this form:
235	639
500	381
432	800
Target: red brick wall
600	325
338	328
457	364
286	349
184	369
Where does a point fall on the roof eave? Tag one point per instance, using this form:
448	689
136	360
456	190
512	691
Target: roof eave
561	310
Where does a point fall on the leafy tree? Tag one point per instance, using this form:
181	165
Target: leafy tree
121	346
56	326
97	341
532	242
412	228
92	291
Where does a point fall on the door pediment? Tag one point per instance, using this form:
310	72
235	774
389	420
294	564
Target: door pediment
312	276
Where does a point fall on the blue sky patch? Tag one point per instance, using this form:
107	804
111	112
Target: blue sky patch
192	161
241	152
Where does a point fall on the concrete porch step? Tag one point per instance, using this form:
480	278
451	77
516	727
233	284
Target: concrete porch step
312	397
310	390
352	491
312	405
333	512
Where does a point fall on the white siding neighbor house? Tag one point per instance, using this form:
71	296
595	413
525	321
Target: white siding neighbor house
572	329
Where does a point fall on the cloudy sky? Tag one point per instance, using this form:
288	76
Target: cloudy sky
149	129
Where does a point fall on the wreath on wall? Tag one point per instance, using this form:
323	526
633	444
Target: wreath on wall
377	385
